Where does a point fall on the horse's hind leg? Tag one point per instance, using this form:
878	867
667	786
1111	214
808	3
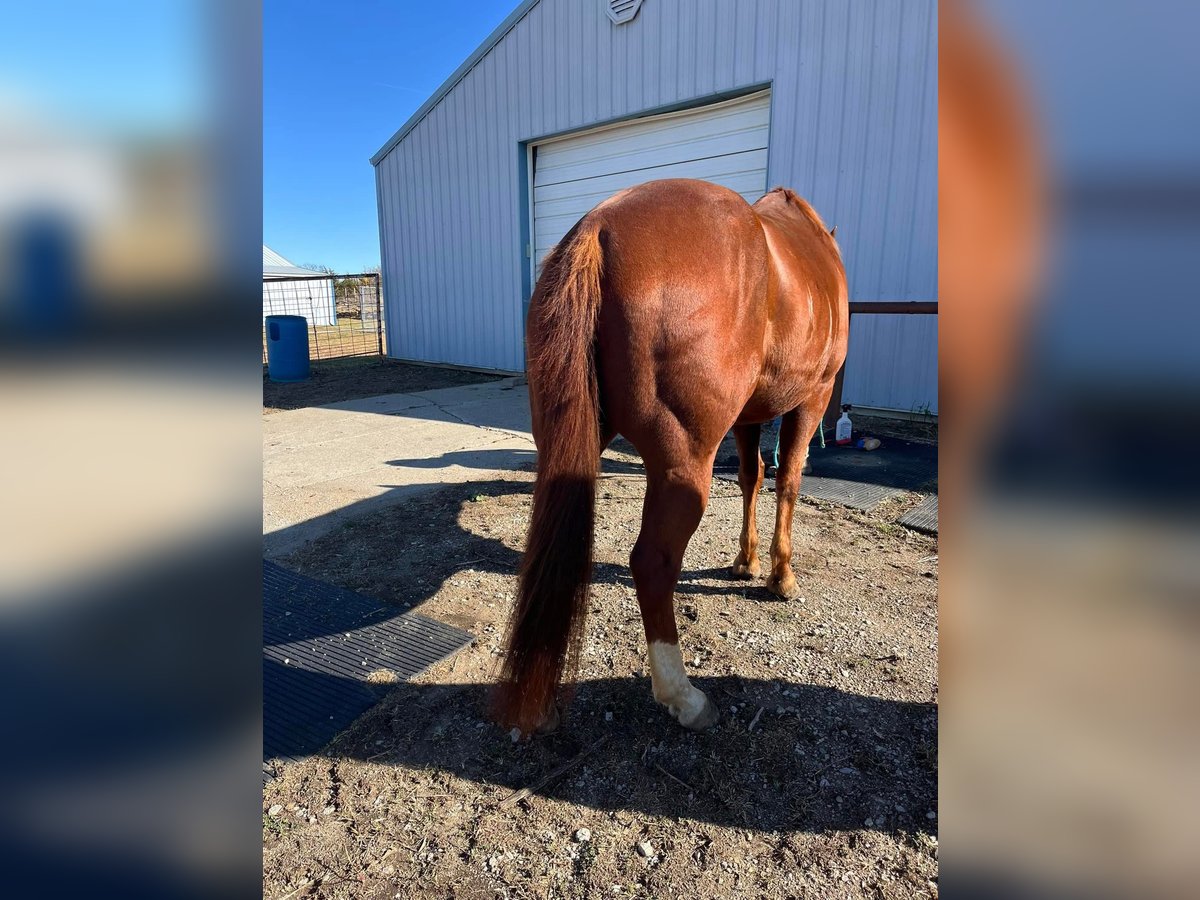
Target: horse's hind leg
750	477
675	501
795	434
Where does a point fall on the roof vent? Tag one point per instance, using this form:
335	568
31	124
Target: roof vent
622	11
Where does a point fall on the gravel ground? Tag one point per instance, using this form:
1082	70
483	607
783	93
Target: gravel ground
820	780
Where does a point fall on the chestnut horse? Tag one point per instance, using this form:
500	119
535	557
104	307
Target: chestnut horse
670	313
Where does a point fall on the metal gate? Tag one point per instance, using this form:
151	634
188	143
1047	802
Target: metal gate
344	312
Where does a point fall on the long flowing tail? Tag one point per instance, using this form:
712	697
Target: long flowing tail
547	621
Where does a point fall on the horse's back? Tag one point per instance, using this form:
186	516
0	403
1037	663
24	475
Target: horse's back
809	309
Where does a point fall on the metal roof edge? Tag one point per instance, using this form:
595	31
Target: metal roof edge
283	271
448	85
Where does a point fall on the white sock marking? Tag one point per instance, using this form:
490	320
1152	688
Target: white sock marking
671	685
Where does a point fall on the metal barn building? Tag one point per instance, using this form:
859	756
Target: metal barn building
569	101
283	294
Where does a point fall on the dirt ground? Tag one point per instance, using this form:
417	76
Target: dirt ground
820	780
334	380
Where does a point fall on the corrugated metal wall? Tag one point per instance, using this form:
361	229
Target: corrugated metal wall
853	129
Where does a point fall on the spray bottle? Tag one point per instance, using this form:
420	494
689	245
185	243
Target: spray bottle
844	426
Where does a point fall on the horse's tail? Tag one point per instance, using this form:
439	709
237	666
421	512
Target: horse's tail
546	627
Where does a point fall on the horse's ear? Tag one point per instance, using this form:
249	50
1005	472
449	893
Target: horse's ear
833	231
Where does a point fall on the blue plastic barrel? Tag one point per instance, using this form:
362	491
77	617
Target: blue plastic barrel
287	348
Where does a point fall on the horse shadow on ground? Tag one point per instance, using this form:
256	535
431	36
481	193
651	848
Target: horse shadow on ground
491	459
813	759
364	554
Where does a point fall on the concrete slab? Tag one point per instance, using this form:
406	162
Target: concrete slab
325	465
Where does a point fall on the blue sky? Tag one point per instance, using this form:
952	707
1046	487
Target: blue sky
127	65
339	78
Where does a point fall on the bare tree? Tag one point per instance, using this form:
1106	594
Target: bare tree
348	292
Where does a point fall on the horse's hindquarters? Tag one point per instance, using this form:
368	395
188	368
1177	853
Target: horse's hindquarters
683	314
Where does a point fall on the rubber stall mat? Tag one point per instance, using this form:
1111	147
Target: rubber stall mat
836	490
923	516
907	465
320	644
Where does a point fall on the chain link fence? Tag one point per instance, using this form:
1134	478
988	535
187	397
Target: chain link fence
344	312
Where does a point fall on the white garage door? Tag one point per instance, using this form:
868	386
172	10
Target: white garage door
725	143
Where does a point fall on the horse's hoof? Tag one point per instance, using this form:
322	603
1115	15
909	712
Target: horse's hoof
746	570
706	718
550	724
784	587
